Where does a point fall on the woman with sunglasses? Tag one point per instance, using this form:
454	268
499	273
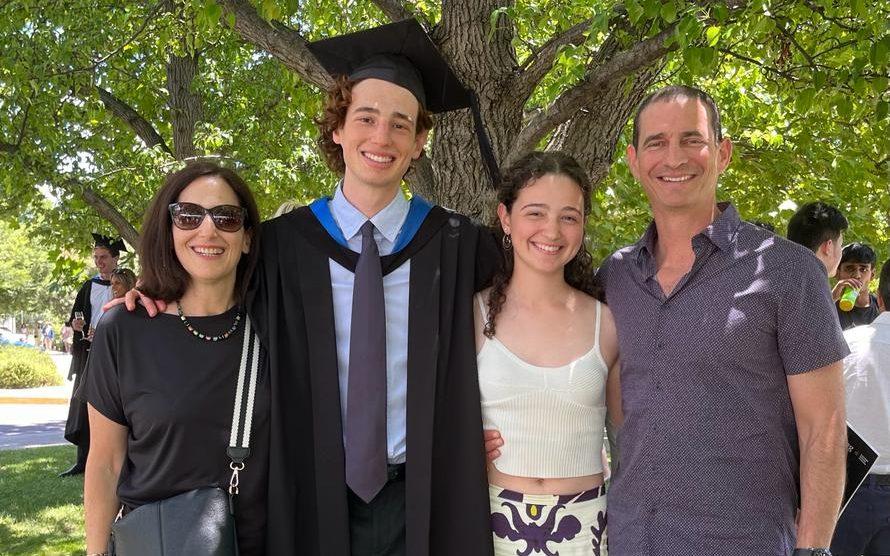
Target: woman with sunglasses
161	391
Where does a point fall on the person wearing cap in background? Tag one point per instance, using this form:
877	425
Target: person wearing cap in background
856	269
364	302
92	295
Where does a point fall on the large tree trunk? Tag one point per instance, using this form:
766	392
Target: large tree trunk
486	65
184	102
592	135
587	117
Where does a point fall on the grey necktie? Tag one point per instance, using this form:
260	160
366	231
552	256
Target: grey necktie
366	394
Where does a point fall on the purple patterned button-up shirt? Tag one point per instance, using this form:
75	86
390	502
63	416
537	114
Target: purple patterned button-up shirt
709	451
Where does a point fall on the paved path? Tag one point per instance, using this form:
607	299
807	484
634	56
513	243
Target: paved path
36	416
28	425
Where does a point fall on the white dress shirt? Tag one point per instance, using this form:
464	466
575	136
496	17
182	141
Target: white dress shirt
867	381
387	225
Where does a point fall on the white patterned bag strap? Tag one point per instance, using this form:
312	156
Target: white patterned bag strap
242	414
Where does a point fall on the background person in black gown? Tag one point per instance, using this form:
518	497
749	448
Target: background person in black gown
160	395
92	295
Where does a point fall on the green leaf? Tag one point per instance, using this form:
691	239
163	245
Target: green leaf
213	12
843	106
669	12
859	85
878	52
720	12
879	84
881	109
712	34
765	26
804	100
634	11
651	8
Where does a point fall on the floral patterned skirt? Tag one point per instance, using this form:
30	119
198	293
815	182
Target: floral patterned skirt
552	525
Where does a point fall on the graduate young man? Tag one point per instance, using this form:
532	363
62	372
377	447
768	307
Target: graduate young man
92	295
364	302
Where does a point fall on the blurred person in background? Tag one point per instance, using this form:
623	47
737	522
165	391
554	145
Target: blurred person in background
864	527
820	228
87	309
856	271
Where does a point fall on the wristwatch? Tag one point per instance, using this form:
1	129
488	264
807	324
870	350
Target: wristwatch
811	552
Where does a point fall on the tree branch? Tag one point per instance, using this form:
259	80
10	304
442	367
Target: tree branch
821	11
395	10
148	19
790	36
13	148
761	65
618	66
144	130
107	211
538	64
282	42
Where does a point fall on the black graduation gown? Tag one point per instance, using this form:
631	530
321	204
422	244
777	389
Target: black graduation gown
77	427
291	303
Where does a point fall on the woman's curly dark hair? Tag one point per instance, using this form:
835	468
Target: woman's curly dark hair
579	272
333	117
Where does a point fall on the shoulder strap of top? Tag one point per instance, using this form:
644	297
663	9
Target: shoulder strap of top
596	334
483	308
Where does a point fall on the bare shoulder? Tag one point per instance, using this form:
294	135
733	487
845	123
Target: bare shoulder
587	304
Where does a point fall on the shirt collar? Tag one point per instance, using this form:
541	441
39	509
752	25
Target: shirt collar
388	221
721	232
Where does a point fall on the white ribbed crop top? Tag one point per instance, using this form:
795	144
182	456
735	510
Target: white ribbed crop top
551	418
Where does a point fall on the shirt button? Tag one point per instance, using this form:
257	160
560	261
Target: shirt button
659	344
653	510
658	385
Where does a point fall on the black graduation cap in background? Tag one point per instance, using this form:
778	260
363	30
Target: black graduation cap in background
403	54
110	243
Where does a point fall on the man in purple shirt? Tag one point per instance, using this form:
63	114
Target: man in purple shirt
731	380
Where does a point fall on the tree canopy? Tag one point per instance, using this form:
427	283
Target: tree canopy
99	100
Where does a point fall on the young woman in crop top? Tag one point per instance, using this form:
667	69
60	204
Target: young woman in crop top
545	345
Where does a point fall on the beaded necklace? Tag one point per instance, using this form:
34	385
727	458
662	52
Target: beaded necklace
207	337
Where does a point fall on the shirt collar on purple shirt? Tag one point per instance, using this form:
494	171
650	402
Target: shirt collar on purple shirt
721	232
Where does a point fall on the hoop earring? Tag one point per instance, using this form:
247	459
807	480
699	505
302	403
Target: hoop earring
507	242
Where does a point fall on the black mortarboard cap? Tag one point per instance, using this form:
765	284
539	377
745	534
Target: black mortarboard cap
110	243
403	54
400	53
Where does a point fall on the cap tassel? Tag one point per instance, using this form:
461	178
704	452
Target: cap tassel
488	158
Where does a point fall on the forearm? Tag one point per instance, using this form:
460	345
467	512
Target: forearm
100	503
822	472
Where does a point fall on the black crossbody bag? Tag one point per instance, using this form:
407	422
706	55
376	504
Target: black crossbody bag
200	522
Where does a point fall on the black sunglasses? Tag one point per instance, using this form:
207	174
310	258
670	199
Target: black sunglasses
226	218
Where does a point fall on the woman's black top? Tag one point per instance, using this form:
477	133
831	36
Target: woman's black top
175	393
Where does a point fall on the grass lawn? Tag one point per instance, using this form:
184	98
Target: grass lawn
40	513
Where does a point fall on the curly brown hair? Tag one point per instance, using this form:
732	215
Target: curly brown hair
579	272
333	116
